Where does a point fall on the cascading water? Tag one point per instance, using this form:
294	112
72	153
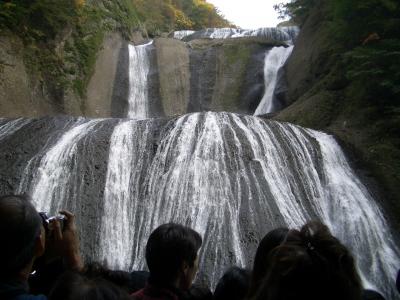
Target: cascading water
274	61
56	168
271	33
139	68
128	158
182	34
232	178
12	126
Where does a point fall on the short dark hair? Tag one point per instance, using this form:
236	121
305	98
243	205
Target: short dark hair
72	285
20	226
233	285
167	248
311	264
271	240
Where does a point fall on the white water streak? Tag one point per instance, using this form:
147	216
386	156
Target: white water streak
284	34
127	159
139	68
51	180
274	60
12	126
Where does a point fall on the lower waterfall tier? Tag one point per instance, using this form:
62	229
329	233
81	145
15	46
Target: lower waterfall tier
232	178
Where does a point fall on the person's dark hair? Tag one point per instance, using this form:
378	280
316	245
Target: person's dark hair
72	285
371	295
20	226
271	240
233	285
311	264
167	248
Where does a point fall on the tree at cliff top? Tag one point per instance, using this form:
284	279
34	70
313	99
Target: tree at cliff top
168	15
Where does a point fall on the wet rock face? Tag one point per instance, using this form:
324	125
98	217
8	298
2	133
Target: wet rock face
174	75
99	95
217	75
119	102
310	55
20	93
203	69
226	75
154	96
203	75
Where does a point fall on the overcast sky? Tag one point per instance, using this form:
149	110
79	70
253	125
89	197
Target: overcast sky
249	14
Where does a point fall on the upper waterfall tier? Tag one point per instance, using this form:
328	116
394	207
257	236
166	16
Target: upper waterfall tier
283	34
233	178
139	68
274	62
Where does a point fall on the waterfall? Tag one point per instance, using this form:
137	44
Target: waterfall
10	127
182	34
274	61
128	158
232	178
139	68
355	218
282	34
51	184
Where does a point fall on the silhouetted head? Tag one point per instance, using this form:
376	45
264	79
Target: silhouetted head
72	286
22	234
310	265
234	285
371	295
272	239
171	255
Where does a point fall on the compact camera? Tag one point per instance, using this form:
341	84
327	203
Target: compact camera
47	221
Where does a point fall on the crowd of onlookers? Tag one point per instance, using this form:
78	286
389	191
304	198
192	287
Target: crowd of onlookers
40	256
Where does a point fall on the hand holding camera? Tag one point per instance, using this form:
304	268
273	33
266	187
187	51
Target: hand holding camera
63	239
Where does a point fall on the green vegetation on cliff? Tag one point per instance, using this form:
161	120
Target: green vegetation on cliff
62	38
369	33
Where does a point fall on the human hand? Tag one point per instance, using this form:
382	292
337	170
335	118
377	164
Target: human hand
66	241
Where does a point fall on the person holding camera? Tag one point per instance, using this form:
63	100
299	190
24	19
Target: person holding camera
26	236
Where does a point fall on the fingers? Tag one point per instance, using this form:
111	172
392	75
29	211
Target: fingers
68	214
57	232
69	221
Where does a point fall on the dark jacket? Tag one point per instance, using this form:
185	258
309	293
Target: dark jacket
17	291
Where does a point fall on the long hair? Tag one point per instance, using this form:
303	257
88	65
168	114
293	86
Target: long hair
311	264
271	240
